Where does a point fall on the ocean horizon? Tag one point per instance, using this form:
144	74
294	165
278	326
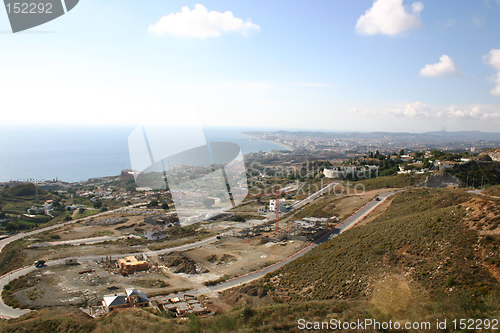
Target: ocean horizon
77	153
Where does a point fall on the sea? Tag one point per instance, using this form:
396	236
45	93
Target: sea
77	153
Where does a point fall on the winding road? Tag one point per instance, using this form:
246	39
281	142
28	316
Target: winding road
348	223
8	312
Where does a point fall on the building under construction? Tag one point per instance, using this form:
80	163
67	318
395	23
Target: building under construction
182	307
309	228
130	265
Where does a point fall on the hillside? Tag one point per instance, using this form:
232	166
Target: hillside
493	190
433	253
16	199
477	173
393	181
493	153
433	247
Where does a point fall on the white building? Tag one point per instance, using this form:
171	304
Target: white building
330	173
446	165
272	205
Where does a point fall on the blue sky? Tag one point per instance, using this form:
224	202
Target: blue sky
335	65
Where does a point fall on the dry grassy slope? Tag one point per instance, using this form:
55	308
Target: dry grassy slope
73	320
421	242
494	154
395	181
419	259
49	320
483	215
493	190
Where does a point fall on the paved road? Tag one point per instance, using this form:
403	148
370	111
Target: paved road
347	224
480	192
315	195
8	312
21	235
81	241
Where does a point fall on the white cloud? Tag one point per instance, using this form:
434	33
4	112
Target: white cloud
493	59
445	66
201	23
406	110
419	110
389	17
410	110
477	112
454	111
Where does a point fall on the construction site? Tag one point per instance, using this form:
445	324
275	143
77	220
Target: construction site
112	253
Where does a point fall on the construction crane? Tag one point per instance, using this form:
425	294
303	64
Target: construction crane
277	210
278	194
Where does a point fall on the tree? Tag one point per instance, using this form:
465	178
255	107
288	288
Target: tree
97	204
437	153
56	204
238	218
164	205
11	226
153	203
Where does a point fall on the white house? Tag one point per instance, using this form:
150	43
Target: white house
272	205
330	173
443	165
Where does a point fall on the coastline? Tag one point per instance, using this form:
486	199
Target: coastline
40	155
284	145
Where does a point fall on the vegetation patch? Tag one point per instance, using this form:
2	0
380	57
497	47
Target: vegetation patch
394	181
478	173
422	237
13	256
14	286
493	190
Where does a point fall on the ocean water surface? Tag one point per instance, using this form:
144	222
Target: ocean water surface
78	153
